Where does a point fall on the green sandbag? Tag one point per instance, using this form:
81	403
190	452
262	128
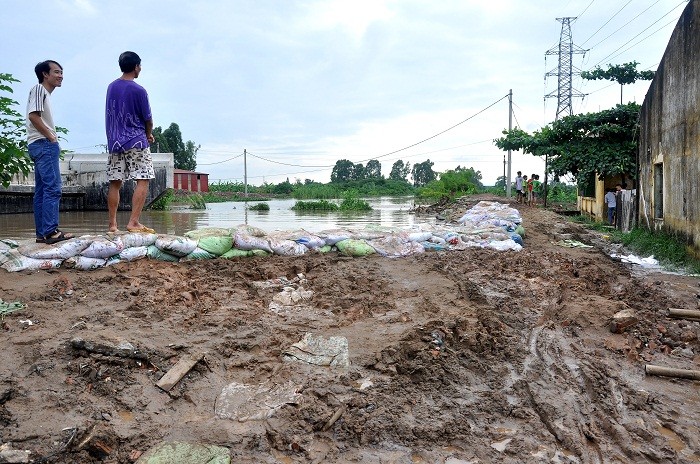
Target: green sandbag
257	252
198	254
216	245
156	253
235	253
325	249
352	247
520	230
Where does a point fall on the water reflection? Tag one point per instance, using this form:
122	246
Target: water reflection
387	212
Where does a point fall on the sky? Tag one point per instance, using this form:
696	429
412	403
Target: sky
300	84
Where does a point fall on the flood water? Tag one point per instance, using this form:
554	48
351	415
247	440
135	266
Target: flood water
387	212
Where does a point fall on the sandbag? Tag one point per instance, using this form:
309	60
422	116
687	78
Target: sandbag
207	232
156	253
102	247
257	252
133	253
138	239
14	261
287	247
236	253
176	246
216	244
84	263
197	254
6	244
249	230
244	241
331	237
394	246
352	247
309	240
60	250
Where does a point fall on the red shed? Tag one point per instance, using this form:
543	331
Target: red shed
191	180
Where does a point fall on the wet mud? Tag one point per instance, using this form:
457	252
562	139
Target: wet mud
472	356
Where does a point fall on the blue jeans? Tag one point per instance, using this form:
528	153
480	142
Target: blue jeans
611	215
47	185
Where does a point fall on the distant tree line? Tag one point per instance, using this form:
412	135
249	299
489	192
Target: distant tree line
347	171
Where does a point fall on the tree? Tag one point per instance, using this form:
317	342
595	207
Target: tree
621	73
373	170
170	141
423	173
13	144
500	183
457	182
358	172
342	171
584	145
400	171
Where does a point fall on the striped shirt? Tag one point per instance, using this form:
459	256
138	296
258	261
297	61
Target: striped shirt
39	101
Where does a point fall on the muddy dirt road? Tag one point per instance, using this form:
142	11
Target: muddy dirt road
472	356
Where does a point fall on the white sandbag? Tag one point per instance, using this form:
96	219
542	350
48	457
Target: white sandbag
7	244
249	230
394	246
309	240
331	237
102	247
59	250
243	241
197	254
14	261
287	247
84	263
133	253
419	236
176	246
504	245
207	232
138	239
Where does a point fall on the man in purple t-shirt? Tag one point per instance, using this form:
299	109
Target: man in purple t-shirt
129	125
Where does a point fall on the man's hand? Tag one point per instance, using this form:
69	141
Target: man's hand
150	138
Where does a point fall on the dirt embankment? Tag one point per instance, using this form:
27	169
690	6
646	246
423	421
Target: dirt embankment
463	357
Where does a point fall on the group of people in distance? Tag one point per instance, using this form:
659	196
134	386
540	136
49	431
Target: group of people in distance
527	190
129	127
611	198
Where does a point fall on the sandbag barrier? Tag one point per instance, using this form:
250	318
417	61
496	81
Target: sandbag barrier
486	225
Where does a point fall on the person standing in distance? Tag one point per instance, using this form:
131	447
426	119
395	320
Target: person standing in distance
519	186
44	150
129	126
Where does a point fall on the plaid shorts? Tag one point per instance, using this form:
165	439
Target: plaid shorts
135	163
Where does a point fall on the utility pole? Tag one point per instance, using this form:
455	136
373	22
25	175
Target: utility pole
504	172
564	71
245	172
510	127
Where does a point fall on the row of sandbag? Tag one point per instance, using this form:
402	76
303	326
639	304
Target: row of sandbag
90	252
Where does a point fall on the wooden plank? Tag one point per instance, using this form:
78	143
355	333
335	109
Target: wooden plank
178	371
684	313
650	369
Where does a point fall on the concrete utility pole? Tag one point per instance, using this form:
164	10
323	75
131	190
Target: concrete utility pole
564	72
510	127
245	172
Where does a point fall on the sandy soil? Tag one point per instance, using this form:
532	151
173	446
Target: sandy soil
460	357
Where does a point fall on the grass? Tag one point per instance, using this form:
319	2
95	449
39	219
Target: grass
671	252
320	205
259	207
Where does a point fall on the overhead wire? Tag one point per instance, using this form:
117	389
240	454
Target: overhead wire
626	24
606	22
612	54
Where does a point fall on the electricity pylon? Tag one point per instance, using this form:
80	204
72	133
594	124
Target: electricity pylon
565	70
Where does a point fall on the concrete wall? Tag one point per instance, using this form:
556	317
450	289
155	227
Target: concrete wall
85	184
669	148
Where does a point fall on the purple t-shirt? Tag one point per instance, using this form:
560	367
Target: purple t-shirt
127	111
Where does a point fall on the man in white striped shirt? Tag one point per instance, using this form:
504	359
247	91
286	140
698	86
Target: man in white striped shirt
42	144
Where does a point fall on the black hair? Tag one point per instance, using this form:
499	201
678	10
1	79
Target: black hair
44	67
128	61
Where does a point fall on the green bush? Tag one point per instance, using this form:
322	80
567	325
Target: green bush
163	201
321	205
259	207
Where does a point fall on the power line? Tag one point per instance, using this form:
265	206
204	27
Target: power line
219	162
606	22
626	24
645	38
584	10
644	30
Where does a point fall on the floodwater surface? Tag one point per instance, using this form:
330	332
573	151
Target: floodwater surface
386	212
